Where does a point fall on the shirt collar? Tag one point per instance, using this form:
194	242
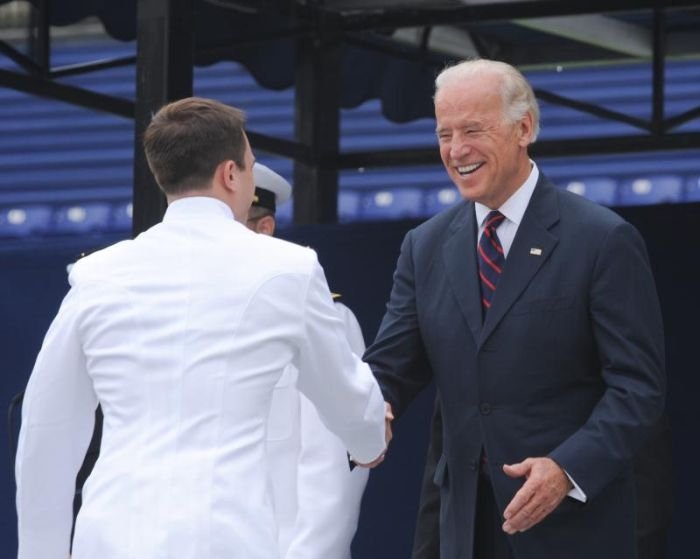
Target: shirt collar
513	208
197	205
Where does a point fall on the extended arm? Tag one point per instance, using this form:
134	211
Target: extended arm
397	356
57	423
328	493
338	383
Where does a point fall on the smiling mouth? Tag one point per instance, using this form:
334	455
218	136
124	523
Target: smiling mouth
465	170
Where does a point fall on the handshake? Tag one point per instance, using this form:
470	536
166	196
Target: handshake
388	418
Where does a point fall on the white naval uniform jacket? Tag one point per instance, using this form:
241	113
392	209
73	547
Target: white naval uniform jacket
181	336
316	497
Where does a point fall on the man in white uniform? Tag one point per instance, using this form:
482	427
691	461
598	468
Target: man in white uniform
181	336
315	494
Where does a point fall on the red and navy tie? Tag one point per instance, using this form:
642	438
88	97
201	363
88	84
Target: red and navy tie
491	258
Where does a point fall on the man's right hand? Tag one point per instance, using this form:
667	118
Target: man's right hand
388	418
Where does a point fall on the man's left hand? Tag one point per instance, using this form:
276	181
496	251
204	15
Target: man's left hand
545	487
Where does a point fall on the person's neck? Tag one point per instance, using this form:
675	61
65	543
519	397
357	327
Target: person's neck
208	192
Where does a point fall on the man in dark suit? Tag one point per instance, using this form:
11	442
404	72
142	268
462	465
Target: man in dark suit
535	312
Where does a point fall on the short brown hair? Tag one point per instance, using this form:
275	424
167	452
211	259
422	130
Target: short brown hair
187	139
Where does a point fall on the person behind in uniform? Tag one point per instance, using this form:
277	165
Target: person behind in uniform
315	494
535	312
181	336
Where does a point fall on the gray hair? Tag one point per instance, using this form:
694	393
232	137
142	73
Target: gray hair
516	93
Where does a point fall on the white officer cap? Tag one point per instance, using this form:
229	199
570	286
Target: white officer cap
270	188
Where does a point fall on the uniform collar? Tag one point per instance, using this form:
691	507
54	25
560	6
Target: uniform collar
197	205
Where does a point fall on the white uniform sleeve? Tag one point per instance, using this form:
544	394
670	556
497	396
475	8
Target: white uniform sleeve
336	380
353	332
329	494
57	423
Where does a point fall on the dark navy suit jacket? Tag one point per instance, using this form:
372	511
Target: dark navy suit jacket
568	363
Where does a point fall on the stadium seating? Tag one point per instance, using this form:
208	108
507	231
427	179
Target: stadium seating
602	190
348	205
653	189
56	156
397	203
692	188
121	216
91	217
438	199
20	221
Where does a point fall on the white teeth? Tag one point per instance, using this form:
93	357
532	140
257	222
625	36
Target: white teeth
466	169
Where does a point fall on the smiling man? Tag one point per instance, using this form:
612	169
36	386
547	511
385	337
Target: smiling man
535	312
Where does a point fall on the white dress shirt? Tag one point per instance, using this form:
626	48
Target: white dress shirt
181	336
513	210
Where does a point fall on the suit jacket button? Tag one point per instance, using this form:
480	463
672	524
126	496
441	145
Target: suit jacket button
473	465
485	408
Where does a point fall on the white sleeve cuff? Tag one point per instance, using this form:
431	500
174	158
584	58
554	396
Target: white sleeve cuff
576	492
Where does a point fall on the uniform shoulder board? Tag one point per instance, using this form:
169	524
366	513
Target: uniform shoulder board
82	255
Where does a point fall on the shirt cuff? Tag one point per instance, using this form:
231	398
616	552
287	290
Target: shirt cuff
576	492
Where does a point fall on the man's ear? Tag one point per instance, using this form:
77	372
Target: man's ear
526	128
229	174
266	225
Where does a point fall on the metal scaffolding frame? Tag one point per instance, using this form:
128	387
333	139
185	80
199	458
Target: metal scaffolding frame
166	52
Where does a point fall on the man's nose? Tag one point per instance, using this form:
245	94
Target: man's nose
459	147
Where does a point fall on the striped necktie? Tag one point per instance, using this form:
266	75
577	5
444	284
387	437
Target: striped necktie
491	258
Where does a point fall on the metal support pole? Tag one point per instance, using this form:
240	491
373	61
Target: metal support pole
164	62
40	35
658	72
317	127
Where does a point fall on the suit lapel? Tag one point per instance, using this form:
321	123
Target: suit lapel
459	253
531	248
